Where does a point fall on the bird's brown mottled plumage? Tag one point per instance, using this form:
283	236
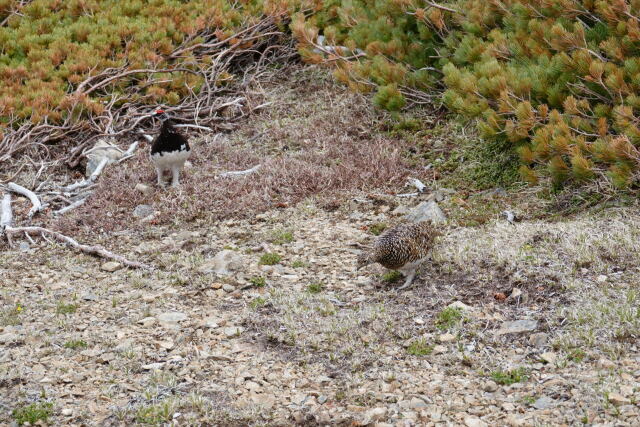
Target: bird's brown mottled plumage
402	248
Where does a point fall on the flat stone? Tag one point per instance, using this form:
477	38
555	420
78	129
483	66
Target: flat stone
439	349
143	211
233	331
617	399
490	386
111	266
374	414
153	366
228	288
426	211
446	338
538	339
470	421
24	247
549	357
171	317
144	189
8	338
460	306
517	327
223	263
90	297
543	402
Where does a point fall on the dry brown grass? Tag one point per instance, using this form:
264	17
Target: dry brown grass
315	140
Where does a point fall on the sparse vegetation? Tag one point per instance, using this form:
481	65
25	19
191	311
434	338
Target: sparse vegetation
75	344
66	308
280	237
269	259
509	377
258	281
392	276
448	318
33	413
420	347
257	302
315	288
299	264
377	228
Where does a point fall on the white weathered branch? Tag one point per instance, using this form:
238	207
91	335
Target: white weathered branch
94	176
35	201
98	251
73	205
184	125
129	153
240	173
418	184
6	216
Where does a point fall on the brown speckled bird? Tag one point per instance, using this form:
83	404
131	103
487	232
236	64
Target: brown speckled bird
403	247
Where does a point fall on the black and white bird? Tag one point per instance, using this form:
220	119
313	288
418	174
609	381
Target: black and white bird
403	248
169	150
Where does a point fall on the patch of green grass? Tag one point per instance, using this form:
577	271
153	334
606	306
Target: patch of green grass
155	414
577	355
269	259
299	264
75	344
448	318
315	288
420	347
64	308
529	400
377	228
257	302
39	411
280	237
11	316
510	377
392	276
258	281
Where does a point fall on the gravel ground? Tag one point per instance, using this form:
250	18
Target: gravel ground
264	320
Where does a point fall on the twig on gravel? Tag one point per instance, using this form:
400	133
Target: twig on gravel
240	173
35	201
6	216
73	205
85	182
96	250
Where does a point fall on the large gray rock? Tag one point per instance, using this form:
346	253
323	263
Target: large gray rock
103	148
143	211
517	327
426	211
223	263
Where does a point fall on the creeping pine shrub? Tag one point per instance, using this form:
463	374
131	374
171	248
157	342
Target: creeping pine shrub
556	85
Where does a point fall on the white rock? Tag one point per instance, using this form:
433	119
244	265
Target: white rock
375	414
517	327
549	357
426	211
111	266
233	331
171	317
601	278
446	338
153	366
8	338
144	189
474	422
223	263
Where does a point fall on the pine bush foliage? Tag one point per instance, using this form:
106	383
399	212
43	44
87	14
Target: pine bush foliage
48	47
558	81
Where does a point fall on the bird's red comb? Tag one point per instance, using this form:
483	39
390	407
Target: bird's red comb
159	111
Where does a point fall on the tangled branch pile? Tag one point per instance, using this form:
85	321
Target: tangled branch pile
558	81
85	68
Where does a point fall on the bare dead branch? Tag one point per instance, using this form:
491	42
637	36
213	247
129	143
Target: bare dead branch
96	250
33	198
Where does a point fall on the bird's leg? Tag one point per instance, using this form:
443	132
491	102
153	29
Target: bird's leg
410	276
175	181
159	172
